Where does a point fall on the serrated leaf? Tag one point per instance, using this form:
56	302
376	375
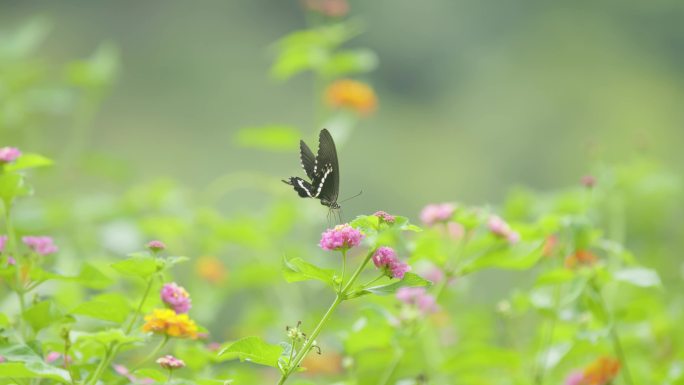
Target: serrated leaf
255	350
138	266
26	161
638	276
409	280
22	362
272	138
297	269
109	307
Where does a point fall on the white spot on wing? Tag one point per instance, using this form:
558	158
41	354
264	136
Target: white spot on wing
301	185
328	170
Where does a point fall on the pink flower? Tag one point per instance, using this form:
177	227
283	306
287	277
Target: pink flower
384	217
385	258
9	154
40	245
2	359
342	237
213	346
170	362
156	246
434	213
54	356
418	297
501	229
588	181
3	241
176	297
122	370
455	230
11	261
574	378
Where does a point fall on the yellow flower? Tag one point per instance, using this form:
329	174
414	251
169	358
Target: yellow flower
211	269
166	321
351	94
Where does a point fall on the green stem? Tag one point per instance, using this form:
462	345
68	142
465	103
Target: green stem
110	352
319	327
154	353
19	287
344	269
140	305
614	336
392	368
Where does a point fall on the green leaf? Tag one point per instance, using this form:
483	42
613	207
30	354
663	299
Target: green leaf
410	280
28	365
42	315
517	257
555	277
109	307
26	161
256	350
12	186
92	277
105	337
297	269
272	138
154	374
138	266
638	276
350	62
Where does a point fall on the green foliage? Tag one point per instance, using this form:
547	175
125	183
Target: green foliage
256	350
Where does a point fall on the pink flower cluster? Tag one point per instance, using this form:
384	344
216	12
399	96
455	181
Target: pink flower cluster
40	245
156	246
9	154
384	217
386	259
176	297
418	297
501	229
342	237
170	362
588	181
122	370
435	213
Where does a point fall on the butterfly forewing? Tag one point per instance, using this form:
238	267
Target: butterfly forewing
328	170
307	159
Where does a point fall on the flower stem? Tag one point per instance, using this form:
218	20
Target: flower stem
140	305
341	296
152	354
344	269
19	287
110	352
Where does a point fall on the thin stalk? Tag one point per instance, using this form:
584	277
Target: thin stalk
109	352
19	287
319	327
614	336
344	269
140	305
152	354
392	367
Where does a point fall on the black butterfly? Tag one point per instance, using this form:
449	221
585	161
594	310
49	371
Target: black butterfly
323	171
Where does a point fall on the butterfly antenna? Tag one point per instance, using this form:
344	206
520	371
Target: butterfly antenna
360	192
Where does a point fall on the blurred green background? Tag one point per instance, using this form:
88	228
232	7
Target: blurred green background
474	96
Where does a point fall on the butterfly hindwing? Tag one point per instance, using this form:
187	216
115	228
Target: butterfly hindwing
302	187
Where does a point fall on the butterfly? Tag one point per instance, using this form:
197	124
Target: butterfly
323	171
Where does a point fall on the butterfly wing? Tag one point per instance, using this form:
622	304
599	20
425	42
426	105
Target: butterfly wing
307	159
302	187
327	180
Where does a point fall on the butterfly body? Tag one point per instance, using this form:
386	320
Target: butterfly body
322	170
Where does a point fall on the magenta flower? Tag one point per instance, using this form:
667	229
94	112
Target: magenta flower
176	297
384	217
418	297
574	378
342	237
156	246
588	181
386	259
3	241
435	213
501	229
170	362
40	245
9	154
122	370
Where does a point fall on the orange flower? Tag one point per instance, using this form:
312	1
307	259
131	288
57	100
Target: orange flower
550	245
347	93
324	364
211	269
166	321
581	257
601	372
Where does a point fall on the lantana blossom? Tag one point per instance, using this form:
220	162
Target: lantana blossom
351	94
501	229
166	321
435	213
176	297
384	217
341	237
418	297
170	362
9	154
386	259
40	244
